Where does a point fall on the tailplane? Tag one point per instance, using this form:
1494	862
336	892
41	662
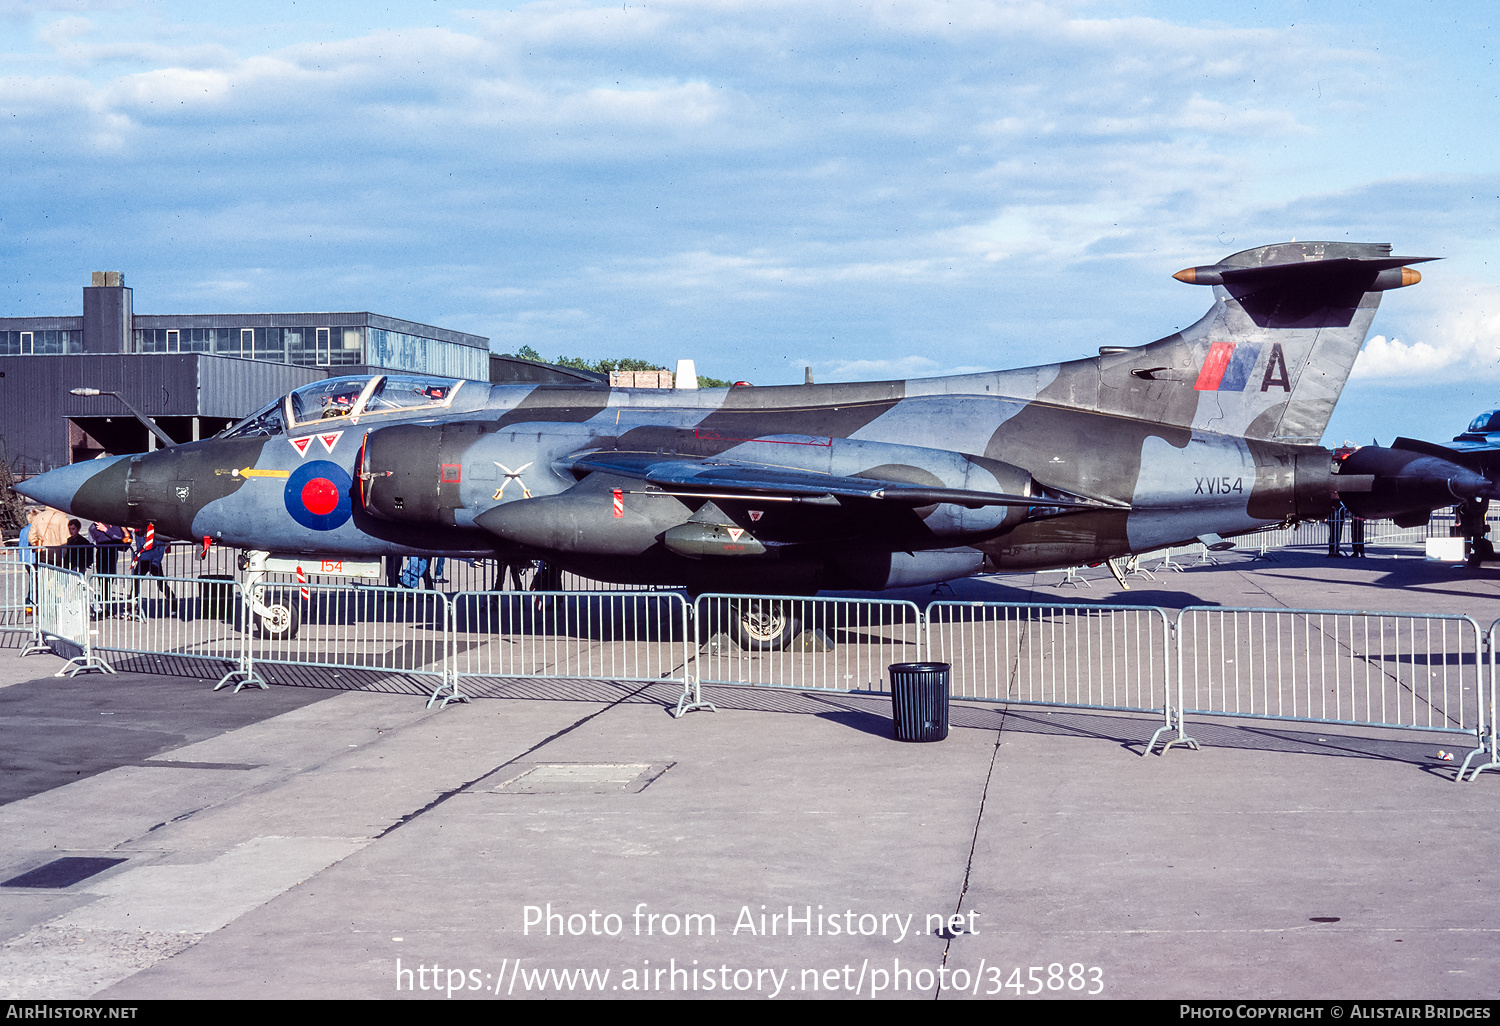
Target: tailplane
1269	360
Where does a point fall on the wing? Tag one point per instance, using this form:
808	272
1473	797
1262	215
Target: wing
1481	457
715	477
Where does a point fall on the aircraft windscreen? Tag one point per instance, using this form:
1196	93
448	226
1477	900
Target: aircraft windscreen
325	400
403	392
265	421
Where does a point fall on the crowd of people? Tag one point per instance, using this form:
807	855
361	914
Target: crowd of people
50	537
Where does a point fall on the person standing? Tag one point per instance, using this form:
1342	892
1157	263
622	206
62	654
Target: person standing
148	556
78	551
414	574
1335	531
108	541
27	553
49	531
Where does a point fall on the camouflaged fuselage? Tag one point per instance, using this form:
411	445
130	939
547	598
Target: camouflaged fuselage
1209	431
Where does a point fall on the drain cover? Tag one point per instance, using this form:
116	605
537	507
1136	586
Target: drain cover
579	777
63	872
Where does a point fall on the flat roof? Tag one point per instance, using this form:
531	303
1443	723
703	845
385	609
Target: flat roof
362	318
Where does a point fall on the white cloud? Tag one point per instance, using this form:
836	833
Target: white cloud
1458	338
772	172
1392	358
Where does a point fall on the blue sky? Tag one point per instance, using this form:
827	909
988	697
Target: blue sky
875	190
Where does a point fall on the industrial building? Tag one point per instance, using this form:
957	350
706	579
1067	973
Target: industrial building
192	374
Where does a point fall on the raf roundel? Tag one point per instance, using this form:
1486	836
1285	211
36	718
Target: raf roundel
317	495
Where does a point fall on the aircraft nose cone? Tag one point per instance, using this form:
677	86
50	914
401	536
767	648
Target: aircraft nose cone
59	488
1465	484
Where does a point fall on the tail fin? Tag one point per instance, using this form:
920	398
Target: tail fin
1270	359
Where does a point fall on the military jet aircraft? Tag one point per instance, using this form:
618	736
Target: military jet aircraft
1205	434
1477	449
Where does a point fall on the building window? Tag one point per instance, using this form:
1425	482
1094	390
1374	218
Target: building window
40	343
333	346
412	352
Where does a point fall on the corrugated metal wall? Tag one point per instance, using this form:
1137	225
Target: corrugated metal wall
237	388
35	403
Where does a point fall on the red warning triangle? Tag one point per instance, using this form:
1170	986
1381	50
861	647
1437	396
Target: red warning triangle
330	439
735	532
301	444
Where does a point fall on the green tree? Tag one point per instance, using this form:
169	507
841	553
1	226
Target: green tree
609	366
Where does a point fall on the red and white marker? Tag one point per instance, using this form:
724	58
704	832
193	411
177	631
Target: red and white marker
302	580
619	502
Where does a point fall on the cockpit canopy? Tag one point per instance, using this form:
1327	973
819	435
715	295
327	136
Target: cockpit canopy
1485	423
352	398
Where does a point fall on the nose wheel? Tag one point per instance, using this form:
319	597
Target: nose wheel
279	621
277	617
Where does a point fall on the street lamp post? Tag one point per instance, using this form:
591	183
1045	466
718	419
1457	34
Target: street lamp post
165	438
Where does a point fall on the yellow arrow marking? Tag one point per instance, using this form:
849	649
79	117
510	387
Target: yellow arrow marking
252	472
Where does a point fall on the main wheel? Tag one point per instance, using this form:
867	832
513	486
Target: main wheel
281	623
762	625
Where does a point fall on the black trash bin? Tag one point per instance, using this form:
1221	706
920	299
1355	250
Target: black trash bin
215	596
919	701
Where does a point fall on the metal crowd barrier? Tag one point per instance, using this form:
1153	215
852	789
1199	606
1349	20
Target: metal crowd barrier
1332	666
1395	670
61	612
1488	745
1434	673
641	636
17	580
1104	657
394	631
837	644
148	618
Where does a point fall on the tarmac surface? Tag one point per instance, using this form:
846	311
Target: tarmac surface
318	841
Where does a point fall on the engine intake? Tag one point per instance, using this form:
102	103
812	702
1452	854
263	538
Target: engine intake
411	473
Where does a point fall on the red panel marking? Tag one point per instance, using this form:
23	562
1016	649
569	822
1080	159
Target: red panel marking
360	470
452	473
1213	367
320	496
